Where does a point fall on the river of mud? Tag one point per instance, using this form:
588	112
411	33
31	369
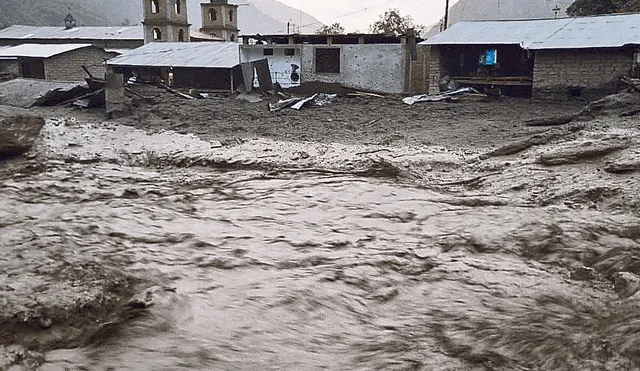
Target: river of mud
128	251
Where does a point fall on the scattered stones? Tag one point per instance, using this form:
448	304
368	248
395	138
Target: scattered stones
583	274
18	132
626	284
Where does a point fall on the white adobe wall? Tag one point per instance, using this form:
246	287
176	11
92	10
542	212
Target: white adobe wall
376	67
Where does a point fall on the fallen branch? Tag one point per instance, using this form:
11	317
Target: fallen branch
470	181
373	151
137	94
175	92
554	121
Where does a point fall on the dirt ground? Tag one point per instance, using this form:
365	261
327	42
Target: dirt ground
470	122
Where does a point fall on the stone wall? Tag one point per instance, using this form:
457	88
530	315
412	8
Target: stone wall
589	73
419	71
68	66
434	70
10	66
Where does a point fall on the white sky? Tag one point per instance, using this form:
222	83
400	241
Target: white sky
426	12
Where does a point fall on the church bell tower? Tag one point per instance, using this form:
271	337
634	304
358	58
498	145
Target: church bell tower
220	19
165	21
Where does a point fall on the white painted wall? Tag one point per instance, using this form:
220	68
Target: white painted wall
376	67
279	63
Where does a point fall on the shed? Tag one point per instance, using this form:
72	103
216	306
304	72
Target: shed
60	62
203	65
545	57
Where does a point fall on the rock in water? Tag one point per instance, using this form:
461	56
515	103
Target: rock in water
18	132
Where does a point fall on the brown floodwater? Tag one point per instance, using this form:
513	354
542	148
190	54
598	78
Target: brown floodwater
251	270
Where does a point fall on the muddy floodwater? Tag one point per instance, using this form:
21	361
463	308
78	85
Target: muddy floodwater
124	250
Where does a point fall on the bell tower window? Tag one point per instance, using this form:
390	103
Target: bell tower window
230	15
181	35
157	34
155	6
213	15
178	7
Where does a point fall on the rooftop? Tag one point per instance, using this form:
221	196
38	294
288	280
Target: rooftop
39	50
194	55
19	32
605	31
352	38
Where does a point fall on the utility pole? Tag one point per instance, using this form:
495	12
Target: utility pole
446	16
288	27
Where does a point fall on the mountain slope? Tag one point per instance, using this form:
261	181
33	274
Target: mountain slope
255	16
474	10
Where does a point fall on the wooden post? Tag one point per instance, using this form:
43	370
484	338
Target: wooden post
446	16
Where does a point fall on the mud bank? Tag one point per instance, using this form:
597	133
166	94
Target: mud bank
129	247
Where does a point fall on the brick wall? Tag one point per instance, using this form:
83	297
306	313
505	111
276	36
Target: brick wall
434	70
68	66
593	72
10	66
419	78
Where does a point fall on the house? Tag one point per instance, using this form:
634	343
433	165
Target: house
214	66
550	58
61	62
381	63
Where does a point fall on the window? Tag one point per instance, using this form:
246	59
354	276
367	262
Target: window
233	37
157	34
289	52
230	15
267	51
213	15
155	6
327	60
181	35
178	7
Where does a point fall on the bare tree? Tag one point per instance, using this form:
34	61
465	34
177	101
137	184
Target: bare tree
391	22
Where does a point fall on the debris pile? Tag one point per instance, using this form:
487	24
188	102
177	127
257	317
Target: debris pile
449	96
318	99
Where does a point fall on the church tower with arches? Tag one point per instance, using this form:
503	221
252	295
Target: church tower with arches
165	21
220	19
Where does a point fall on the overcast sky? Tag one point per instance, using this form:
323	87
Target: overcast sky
426	12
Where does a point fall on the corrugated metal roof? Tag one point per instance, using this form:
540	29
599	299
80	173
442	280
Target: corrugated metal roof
201	54
520	32
611	31
19	32
40	50
564	33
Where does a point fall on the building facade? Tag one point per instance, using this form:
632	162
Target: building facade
220	19
60	62
378	63
545	59
165	21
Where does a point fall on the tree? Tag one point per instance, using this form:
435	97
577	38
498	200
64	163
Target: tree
393	23
334	29
592	7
